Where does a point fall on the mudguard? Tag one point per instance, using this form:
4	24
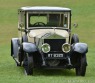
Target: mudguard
14	47
29	47
80	48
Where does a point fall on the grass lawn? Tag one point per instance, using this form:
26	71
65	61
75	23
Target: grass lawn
83	13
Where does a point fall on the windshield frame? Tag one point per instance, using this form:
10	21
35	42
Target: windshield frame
68	18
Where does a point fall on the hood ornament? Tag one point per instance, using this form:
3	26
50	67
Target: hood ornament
46	35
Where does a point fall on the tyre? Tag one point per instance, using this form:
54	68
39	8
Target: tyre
74	39
81	68
28	64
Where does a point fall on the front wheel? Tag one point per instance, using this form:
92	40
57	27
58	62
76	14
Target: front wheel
81	68
28	64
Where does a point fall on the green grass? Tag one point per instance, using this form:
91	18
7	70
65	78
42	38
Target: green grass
83	13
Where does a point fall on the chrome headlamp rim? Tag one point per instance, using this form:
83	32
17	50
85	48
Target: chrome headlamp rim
43	49
68	46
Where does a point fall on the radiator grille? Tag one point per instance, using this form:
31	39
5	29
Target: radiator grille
55	44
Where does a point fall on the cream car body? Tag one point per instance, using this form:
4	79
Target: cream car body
45	40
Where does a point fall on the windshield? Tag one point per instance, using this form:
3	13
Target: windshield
48	20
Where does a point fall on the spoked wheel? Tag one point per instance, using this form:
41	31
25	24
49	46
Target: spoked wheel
28	64
81	68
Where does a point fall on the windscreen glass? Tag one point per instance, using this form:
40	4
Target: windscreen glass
48	20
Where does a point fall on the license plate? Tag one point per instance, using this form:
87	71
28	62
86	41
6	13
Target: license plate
55	55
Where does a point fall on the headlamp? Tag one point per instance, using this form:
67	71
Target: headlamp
45	47
66	47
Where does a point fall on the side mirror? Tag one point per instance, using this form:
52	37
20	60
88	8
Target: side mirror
75	25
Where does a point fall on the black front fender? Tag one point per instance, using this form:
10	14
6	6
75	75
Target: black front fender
80	47
14	47
29	47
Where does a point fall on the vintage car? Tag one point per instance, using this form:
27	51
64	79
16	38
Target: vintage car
45	41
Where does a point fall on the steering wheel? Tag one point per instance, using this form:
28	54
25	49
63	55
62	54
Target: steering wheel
37	24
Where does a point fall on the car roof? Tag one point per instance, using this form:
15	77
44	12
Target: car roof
44	8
